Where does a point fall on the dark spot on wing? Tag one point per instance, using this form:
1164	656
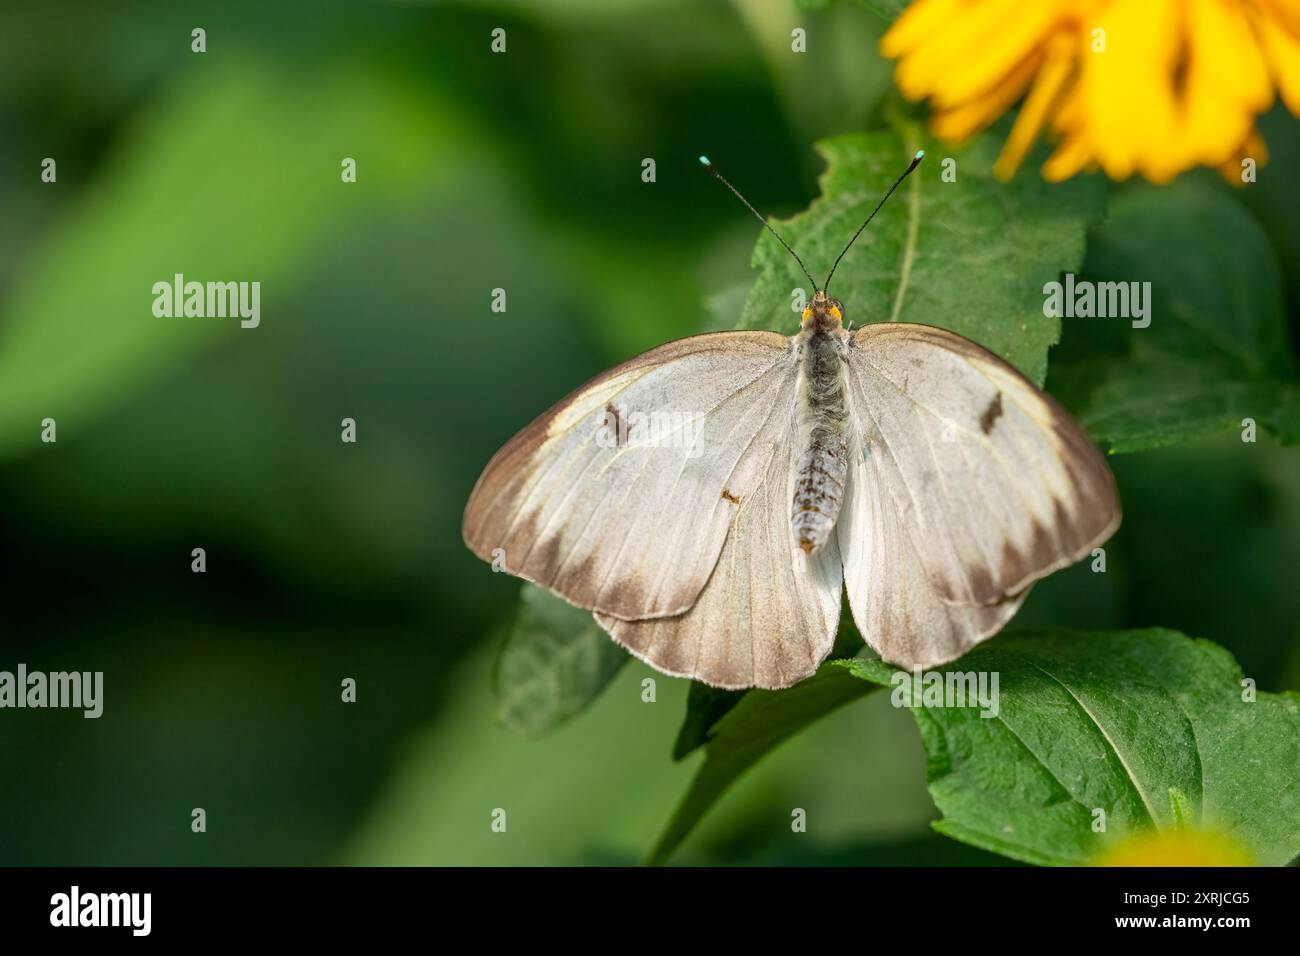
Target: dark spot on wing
991	414
615	425
734	499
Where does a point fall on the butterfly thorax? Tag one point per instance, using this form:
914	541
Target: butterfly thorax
822	426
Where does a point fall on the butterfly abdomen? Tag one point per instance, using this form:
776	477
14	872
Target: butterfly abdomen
823	430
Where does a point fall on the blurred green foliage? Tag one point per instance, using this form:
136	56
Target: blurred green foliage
327	560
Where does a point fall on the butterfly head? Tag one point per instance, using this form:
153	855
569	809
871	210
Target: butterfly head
823	313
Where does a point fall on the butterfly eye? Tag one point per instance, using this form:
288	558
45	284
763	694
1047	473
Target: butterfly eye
807	313
839	316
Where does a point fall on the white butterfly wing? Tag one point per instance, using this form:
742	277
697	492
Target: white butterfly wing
620	517
966	484
895	605
768	615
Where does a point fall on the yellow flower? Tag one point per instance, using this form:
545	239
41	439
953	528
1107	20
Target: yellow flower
1178	847
1134	86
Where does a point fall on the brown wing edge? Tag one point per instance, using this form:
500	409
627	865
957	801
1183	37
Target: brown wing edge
608	623
1001	613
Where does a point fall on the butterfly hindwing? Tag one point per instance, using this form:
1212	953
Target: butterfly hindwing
895	605
768	615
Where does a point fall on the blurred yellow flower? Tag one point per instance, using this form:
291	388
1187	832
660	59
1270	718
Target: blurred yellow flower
1134	86
1178	847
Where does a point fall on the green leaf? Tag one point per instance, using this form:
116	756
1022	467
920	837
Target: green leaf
970	255
1113	721
889	10
1181	808
554	663
705	706
722	307
1216	349
747	732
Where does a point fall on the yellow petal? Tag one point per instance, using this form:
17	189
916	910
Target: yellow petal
1283	51
918	22
934	63
1253	148
1177	848
1030	29
1047	88
1224	50
1068	113
1072	155
973	115
1129	104
1286	13
1225	85
1211	126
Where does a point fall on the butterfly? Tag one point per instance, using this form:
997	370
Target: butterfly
710	500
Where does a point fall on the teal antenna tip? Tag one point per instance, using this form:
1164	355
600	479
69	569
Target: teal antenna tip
920	154
704	161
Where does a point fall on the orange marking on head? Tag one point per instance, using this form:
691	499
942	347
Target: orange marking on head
807	312
836	312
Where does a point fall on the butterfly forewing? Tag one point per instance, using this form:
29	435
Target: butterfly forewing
979	481
619	498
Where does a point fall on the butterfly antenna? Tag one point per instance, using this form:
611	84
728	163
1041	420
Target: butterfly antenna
916	161
704	161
